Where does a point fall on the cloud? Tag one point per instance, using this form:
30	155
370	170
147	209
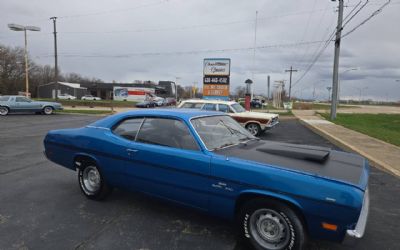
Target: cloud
93	28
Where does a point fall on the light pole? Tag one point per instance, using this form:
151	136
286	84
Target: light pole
176	90
347	70
329	95
360	91
17	27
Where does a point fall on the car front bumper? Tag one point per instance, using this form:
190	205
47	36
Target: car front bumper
271	125
359	229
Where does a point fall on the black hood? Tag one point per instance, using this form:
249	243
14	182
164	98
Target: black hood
313	160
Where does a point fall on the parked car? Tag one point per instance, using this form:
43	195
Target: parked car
170	101
256	103
159	101
277	193
90	98
146	104
13	104
255	122
66	97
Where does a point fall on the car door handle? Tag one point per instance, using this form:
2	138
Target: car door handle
129	150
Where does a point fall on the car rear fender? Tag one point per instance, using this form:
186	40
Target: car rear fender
79	158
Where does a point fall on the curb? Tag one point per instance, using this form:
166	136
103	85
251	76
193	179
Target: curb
340	143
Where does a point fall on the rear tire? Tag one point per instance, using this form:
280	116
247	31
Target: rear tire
4	111
92	182
270	225
48	110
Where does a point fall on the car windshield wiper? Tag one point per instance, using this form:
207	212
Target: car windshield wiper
235	131
224	145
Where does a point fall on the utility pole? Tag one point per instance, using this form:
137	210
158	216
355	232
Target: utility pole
254	54
268	84
335	82
55	55
290	81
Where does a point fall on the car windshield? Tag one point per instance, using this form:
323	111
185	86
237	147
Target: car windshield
4	98
220	131
238	108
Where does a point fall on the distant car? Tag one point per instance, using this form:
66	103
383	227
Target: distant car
13	104
90	98
146	104
66	97
254	122
256	103
170	101
278	194
159	101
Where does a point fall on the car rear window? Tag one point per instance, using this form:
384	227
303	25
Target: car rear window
4	98
128	128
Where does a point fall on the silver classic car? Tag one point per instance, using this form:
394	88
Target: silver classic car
12	104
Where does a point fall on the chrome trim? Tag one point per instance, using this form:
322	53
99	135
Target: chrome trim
89	126
358	231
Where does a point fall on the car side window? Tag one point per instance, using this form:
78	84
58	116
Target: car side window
224	108
166	132
21	99
210	106
128	128
187	105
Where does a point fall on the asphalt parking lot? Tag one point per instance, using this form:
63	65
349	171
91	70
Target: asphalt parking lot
41	206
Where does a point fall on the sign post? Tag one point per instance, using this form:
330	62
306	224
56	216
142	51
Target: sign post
216	74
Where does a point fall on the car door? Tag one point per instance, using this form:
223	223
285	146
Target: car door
24	104
167	162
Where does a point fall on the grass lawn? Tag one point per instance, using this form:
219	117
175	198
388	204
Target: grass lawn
385	127
83	111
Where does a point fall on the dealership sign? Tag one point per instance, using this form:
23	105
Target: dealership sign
216	78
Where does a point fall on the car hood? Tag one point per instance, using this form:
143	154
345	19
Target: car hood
317	161
259	115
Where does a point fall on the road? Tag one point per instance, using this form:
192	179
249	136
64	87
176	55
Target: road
41	206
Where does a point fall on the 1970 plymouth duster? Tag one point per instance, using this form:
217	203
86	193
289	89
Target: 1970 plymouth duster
279	194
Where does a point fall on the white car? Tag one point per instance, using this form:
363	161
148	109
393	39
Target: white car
254	122
66	97
90	98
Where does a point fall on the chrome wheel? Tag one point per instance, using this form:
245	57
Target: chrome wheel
90	180
3	111
48	110
269	229
253	128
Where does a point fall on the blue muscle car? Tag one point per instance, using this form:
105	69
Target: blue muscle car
278	194
13	104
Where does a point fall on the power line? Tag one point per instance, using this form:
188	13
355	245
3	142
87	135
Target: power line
114	11
376	12
128	55
355	14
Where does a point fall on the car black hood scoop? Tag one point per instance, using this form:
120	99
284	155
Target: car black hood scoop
303	152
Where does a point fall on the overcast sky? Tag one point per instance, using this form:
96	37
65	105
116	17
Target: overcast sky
125	40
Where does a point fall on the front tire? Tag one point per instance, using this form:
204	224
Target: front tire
92	182
4	111
253	128
270	225
48	110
